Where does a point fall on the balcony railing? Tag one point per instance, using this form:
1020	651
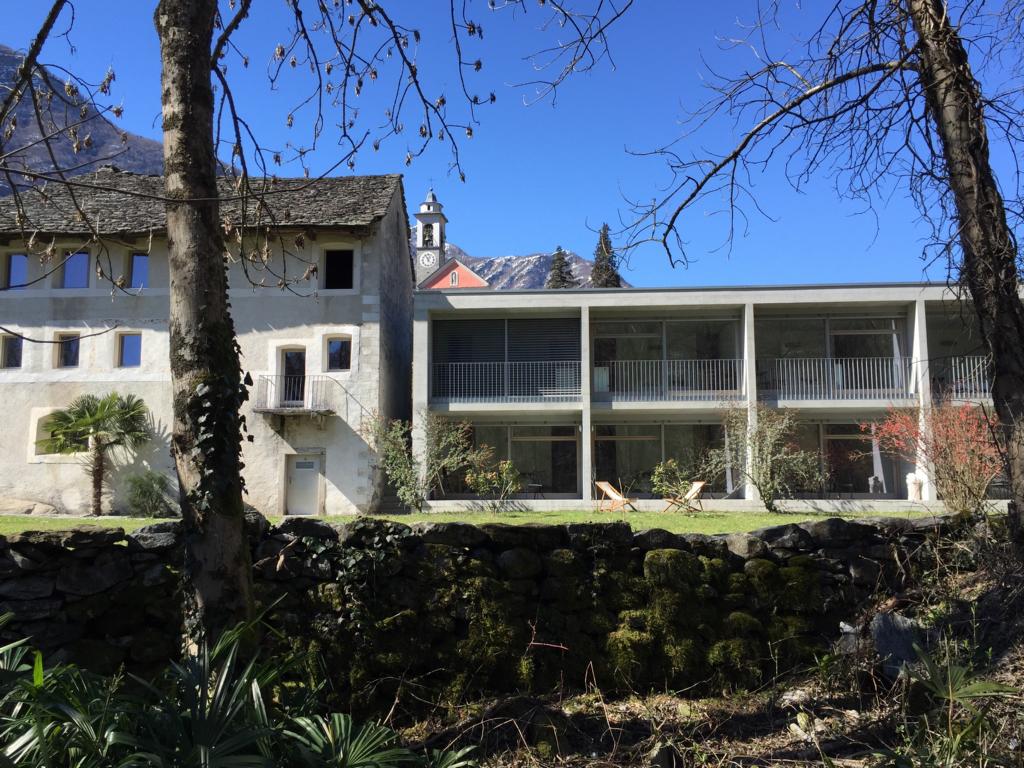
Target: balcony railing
836	378
507	382
962	378
293	394
674	380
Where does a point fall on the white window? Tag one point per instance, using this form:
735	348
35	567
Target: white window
453	279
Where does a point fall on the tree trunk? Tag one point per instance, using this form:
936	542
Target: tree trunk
989	268
205	373
97	478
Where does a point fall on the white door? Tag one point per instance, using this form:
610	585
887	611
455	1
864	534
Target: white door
303	485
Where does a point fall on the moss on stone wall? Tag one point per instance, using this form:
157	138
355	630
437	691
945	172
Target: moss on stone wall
446	613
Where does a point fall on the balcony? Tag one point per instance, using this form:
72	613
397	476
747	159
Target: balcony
293	395
668	380
836	378
962	378
506	382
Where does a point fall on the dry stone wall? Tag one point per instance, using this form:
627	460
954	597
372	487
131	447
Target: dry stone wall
448	612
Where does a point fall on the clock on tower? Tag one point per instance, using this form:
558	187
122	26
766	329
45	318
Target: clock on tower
430	223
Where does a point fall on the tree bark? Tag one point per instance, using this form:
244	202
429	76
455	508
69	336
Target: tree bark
97	479
989	267
205	373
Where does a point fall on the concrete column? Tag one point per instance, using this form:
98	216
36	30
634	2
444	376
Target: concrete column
921	372
749	387
586	429
420	379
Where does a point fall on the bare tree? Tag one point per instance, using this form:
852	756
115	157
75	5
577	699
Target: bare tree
882	93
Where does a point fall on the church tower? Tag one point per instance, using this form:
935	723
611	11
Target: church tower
430	240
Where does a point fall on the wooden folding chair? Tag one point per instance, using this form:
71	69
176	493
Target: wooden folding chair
688	502
614	498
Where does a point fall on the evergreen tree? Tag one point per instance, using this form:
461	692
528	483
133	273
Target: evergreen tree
560	275
605	273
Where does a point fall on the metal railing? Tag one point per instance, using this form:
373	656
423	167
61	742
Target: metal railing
962	378
836	378
642	380
511	382
293	393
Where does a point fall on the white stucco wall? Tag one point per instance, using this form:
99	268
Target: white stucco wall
266	319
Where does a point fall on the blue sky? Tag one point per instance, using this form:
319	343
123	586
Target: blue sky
541	175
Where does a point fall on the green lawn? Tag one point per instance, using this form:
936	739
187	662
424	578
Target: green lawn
707	522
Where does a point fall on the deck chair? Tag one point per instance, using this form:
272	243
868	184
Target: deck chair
613	498
689	501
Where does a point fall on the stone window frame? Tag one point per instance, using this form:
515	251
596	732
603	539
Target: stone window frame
59	337
37	417
118	351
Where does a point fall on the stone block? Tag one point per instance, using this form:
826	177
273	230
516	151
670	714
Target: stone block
27	587
519	563
306	527
657	538
451	534
746	545
156	537
78	577
600	535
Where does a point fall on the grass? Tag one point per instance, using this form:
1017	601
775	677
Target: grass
707	522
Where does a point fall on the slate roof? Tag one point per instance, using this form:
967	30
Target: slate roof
119	202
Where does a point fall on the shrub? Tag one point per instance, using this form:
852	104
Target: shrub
956	445
215	708
496	480
448	453
149	495
777	466
672	478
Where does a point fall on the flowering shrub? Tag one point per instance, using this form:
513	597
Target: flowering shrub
955	443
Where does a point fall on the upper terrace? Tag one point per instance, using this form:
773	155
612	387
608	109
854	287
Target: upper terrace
806	346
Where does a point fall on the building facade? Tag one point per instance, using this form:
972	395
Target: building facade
322	310
584	385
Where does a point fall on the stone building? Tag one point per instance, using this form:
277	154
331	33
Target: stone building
326	351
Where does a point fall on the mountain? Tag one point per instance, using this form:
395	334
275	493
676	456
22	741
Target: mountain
107	143
522	272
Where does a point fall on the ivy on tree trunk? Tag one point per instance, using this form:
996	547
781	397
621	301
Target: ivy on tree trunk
206	379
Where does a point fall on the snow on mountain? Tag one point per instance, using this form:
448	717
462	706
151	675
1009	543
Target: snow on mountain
522	272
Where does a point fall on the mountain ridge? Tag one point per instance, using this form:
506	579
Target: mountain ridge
106	144
521	272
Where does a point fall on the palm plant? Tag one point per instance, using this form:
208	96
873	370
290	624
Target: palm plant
98	425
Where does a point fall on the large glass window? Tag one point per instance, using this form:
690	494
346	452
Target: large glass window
15	272
547	458
689	445
75	272
856	464
626	455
